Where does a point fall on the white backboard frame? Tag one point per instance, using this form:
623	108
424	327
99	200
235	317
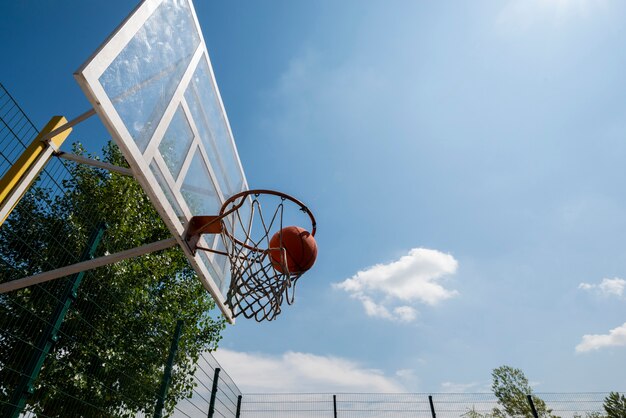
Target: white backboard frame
89	78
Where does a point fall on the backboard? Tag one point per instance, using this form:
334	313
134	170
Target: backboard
153	86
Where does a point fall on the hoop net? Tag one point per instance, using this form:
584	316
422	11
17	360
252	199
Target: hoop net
260	278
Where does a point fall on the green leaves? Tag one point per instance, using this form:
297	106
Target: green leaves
115	339
511	387
615	405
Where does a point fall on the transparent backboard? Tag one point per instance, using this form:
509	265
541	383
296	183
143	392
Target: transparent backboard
152	85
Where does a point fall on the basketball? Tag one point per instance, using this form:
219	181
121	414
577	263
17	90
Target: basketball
300	248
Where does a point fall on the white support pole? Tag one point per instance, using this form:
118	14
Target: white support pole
94	163
68	125
86	265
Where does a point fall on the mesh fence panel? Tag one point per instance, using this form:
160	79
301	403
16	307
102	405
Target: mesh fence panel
27	314
34	327
16	130
445	405
227	395
575	404
457	404
288	405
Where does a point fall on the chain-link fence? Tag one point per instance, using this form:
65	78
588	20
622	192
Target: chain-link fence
95	344
417	405
219	398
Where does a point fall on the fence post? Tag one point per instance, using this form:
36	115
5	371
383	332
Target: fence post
167	373
216	376
532	406
335	405
432	406
50	334
238	413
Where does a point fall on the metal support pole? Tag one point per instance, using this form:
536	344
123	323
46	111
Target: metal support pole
94	163
17	180
50	334
86	265
167	373
532	406
68	125
238	413
216	377
432	406
335	405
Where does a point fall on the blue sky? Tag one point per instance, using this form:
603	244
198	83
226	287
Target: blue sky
464	161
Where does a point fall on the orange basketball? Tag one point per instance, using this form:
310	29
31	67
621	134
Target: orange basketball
300	249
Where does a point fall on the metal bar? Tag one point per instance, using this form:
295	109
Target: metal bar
238	413
49	336
335	405
68	125
86	265
216	377
211	250
167	373
532	406
94	163
432	406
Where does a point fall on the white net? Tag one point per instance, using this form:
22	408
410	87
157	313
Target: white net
261	279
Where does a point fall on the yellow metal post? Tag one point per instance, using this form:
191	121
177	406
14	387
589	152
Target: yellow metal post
18	178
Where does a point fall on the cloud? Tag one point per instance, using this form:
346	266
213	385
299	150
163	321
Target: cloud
411	279
450	387
405	313
607	287
615	338
406	373
304	373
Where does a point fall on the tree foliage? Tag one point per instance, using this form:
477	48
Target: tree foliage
473	413
110	356
511	387
615	405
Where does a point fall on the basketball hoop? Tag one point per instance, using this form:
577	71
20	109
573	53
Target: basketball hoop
266	256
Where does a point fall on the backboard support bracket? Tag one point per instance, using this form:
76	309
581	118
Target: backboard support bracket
68	125
94	163
203	224
87	265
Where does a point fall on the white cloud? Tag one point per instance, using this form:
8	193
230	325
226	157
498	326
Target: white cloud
303	372
615	338
451	387
405	313
412	278
607	287
374	309
406	373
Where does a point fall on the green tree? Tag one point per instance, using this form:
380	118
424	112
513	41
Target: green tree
115	339
511	387
473	413
615	405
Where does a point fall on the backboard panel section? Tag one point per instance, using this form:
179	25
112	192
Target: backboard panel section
153	87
